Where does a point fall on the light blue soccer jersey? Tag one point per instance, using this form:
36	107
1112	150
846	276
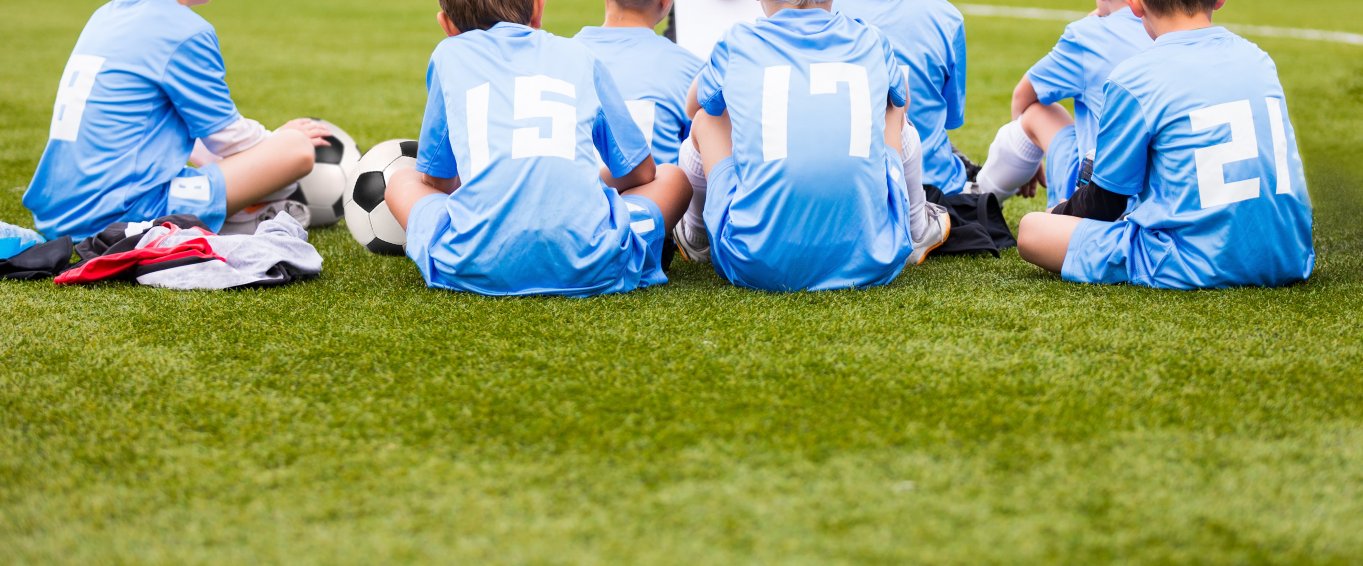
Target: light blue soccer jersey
1079	64
144	81
818	199
653	75
1196	129
929	42
519	116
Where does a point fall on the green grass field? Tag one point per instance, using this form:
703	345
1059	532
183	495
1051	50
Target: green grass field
976	411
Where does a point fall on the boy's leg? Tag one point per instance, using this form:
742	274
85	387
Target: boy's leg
1018	148
710	135
900	133
404	190
714	138
271	165
688	158
1044	239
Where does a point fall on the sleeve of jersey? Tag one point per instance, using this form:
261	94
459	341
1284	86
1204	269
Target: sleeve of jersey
899	84
1123	143
710	81
1060	74
435	156
617	138
195	80
954	89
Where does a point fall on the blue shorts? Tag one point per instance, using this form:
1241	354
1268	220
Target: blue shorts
1099	253
199	191
646	220
1062	166
429	221
425	223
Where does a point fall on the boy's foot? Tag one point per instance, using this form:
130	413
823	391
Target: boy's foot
693	245
246	221
939	229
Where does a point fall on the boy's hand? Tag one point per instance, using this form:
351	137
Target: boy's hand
315	130
1029	190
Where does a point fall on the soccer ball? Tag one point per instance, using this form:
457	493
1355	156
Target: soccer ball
366	213
323	189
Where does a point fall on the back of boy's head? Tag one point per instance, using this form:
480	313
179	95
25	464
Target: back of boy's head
469	15
635	5
1184	7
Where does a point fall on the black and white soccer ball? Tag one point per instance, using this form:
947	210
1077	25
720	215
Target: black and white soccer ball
366	213
324	189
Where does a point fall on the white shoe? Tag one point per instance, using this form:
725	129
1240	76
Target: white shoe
939	229
693	245
246	221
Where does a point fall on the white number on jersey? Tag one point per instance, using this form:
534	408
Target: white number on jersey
645	115
528	103
77	82
824	79
1243	145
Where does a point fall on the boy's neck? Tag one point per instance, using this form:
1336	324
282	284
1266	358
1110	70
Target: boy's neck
1158	26
771	7
628	19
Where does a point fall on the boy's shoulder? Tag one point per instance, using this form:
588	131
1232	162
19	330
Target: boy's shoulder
638	42
1178	59
157	19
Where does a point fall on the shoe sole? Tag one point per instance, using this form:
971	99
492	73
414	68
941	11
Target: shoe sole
945	236
681	249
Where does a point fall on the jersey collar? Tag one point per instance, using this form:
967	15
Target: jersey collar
1191	36
812	19
510	29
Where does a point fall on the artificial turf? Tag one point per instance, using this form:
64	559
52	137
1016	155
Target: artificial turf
977	410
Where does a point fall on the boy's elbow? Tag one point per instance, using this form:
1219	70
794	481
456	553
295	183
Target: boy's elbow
301	155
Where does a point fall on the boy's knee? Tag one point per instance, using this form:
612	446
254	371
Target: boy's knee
1030	234
297	149
673	177
400	183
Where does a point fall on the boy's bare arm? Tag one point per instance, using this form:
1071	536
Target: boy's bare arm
644	174
693	99
446	186
1024	96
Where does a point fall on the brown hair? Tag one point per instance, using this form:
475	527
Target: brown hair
636	5
469	15
1187	7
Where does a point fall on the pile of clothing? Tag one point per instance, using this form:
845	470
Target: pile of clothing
174	252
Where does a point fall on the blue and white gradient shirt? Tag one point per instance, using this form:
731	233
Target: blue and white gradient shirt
145	80
519	116
1196	129
1079	64
819	201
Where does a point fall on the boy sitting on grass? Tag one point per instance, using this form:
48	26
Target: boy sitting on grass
1197	181
802	116
653	74
1076	68
506	198
145	81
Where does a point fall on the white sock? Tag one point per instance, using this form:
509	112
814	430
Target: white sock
1013	160
691	163
911	150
